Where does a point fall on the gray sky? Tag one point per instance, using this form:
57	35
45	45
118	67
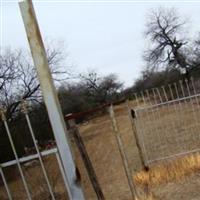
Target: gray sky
104	36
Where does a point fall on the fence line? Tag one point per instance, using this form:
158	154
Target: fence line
19	161
15	155
174	156
167	119
29	158
25	111
166	102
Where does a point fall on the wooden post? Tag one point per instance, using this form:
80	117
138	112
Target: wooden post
85	157
122	153
132	117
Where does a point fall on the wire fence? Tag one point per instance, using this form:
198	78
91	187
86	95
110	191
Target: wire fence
167	125
103	145
167	120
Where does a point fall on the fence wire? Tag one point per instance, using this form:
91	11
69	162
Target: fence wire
167	120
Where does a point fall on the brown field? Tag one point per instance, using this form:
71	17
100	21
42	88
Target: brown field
102	148
36	182
177	179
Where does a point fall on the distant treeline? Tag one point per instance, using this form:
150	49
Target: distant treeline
171	56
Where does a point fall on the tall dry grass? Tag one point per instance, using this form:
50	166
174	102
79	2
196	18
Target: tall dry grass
171	171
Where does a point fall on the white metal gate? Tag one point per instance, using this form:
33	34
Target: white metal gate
62	151
167	120
22	161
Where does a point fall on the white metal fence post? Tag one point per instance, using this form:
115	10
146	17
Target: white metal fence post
50	97
25	111
122	153
136	136
5	184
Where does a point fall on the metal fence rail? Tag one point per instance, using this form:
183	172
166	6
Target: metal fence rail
167	120
19	162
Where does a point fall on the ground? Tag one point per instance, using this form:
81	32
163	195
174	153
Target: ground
101	145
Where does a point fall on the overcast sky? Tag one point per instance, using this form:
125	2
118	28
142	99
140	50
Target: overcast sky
104	36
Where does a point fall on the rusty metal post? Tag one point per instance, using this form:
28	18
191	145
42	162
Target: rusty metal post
122	153
85	157
132	117
50	97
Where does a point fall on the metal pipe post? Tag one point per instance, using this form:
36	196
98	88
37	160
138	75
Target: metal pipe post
122	153
132	117
50	97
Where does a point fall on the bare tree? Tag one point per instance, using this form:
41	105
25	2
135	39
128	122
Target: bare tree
90	91
18	80
169	46
18	77
8	71
101	88
196	53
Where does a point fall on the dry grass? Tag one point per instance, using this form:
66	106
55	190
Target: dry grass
172	171
148	197
36	182
100	143
104	154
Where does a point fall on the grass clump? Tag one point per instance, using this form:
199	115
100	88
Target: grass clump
170	171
